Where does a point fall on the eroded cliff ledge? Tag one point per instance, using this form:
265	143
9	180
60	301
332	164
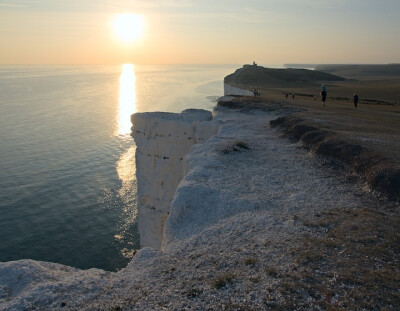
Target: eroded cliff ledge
162	140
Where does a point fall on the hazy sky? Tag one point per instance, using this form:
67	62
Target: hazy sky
201	31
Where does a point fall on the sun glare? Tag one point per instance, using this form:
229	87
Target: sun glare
128	27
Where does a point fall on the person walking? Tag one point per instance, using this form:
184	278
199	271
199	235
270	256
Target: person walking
323	94
355	100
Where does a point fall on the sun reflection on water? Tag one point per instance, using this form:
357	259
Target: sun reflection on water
126	170
127	99
126	235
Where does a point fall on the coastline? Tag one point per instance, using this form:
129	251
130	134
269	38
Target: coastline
261	233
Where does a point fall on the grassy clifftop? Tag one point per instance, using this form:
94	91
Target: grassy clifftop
256	75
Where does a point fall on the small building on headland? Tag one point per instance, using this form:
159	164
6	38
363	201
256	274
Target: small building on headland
251	65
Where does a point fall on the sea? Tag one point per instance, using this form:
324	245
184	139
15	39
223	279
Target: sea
67	160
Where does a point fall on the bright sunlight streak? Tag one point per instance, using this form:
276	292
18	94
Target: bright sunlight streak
128	27
127	99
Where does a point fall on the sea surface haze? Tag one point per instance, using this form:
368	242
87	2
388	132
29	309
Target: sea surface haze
67	169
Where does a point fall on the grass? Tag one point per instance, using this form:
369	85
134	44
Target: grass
223	280
254	279
375	160
271	271
236	146
354	266
377	122
250	261
193	292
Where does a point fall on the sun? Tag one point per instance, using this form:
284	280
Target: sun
128	27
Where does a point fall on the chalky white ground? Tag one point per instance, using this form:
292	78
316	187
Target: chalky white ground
232	206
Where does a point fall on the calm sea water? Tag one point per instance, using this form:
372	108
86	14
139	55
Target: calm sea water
67	170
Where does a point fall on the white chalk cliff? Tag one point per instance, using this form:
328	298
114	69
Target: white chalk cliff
233	90
214	192
162	140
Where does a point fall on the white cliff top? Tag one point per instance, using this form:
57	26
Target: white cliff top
187	115
242	205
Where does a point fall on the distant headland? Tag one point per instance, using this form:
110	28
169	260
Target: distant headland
258	75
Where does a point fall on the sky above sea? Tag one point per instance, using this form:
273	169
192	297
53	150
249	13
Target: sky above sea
199	32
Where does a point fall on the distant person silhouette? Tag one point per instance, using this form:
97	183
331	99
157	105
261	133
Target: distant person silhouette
323	94
293	95
355	100
286	95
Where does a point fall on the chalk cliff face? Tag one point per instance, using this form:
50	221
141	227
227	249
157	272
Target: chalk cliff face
163	139
232	90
